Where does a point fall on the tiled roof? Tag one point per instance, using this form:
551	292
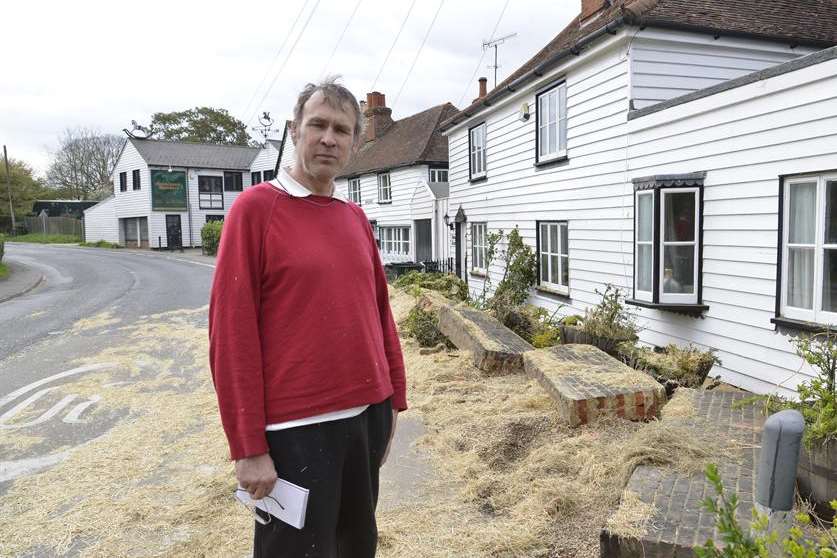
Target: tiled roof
407	141
196	155
807	22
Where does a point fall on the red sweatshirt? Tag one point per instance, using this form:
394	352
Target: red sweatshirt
299	316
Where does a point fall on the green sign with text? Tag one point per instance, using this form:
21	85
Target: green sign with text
168	190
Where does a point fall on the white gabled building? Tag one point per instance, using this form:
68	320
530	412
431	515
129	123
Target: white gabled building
165	191
399	177
640	149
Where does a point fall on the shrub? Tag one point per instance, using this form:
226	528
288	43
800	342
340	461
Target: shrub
534	324
2	246
448	284
423	326
519	274
687	367
571	320
610	319
211	237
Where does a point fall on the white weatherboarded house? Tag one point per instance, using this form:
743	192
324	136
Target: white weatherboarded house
165	191
399	177
625	155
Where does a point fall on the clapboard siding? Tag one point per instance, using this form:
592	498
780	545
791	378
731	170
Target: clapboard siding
132	203
100	222
782	125
265	160
666	63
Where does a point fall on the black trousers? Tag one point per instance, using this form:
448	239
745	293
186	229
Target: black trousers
338	462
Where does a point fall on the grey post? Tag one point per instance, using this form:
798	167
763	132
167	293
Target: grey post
776	479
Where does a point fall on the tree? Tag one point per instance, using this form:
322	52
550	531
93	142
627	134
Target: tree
81	168
200	124
25	190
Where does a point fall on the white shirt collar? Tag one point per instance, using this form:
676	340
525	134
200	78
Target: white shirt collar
287	183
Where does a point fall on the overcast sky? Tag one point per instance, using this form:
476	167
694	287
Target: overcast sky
102	64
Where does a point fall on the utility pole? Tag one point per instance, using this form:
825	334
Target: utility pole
9	189
493	43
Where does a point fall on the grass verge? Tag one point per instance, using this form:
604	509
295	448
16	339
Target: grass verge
4	271
45	238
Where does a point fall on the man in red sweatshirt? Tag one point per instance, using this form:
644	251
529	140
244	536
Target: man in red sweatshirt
304	352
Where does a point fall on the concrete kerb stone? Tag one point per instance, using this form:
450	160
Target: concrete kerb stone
495	348
588	383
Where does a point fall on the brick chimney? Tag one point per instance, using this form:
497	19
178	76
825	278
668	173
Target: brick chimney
590	7
483	89
378	116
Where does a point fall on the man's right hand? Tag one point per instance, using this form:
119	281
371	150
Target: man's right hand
256	475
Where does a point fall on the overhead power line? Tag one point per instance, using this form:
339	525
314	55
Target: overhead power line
400	29
285	62
477	69
340	40
418	53
274	59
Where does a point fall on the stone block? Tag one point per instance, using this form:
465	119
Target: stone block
496	348
588	383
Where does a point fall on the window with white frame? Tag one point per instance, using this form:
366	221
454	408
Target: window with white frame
554	256
354	190
667	225
551	126
438	175
394	241
476	147
384	188
809	248
479	247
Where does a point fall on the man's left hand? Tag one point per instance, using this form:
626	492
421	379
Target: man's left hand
391	436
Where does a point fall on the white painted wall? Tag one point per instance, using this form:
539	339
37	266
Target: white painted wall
745	139
132	203
100	222
667	63
266	159
288	152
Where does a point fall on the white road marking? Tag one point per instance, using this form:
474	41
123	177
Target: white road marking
34	385
54	410
10	470
73	416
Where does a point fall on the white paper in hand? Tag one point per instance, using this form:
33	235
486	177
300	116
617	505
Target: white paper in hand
287	502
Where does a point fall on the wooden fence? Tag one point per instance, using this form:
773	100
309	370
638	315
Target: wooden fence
53	225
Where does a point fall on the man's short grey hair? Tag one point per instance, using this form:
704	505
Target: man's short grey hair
336	96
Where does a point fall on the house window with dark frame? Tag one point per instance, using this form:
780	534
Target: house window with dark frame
123	181
808	256
233	182
479	248
269	175
553	256
551	128
438	175
135	179
384	188
354	190
255	178
668	242
210	192
476	149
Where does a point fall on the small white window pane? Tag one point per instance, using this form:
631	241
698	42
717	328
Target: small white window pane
553	238
544	268
553	139
802	213
679	269
553	109
553	271
829	281
831	212
644	264
644	218
564	240
800	292
544	242
562	116
565	270
679	214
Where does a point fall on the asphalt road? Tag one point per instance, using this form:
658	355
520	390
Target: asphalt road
69	329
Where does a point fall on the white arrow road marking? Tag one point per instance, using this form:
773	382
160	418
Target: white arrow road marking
34	385
10	470
73	416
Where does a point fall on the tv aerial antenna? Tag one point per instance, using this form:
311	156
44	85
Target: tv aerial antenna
493	43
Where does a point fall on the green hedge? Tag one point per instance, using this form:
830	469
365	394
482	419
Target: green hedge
2	246
211	237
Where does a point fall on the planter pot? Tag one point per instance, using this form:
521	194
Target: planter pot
817	476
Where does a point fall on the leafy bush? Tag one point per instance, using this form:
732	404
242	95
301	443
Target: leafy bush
519	274
687	367
740	544
534	324
448	284
2	246
211	236
571	320
610	319
423	326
